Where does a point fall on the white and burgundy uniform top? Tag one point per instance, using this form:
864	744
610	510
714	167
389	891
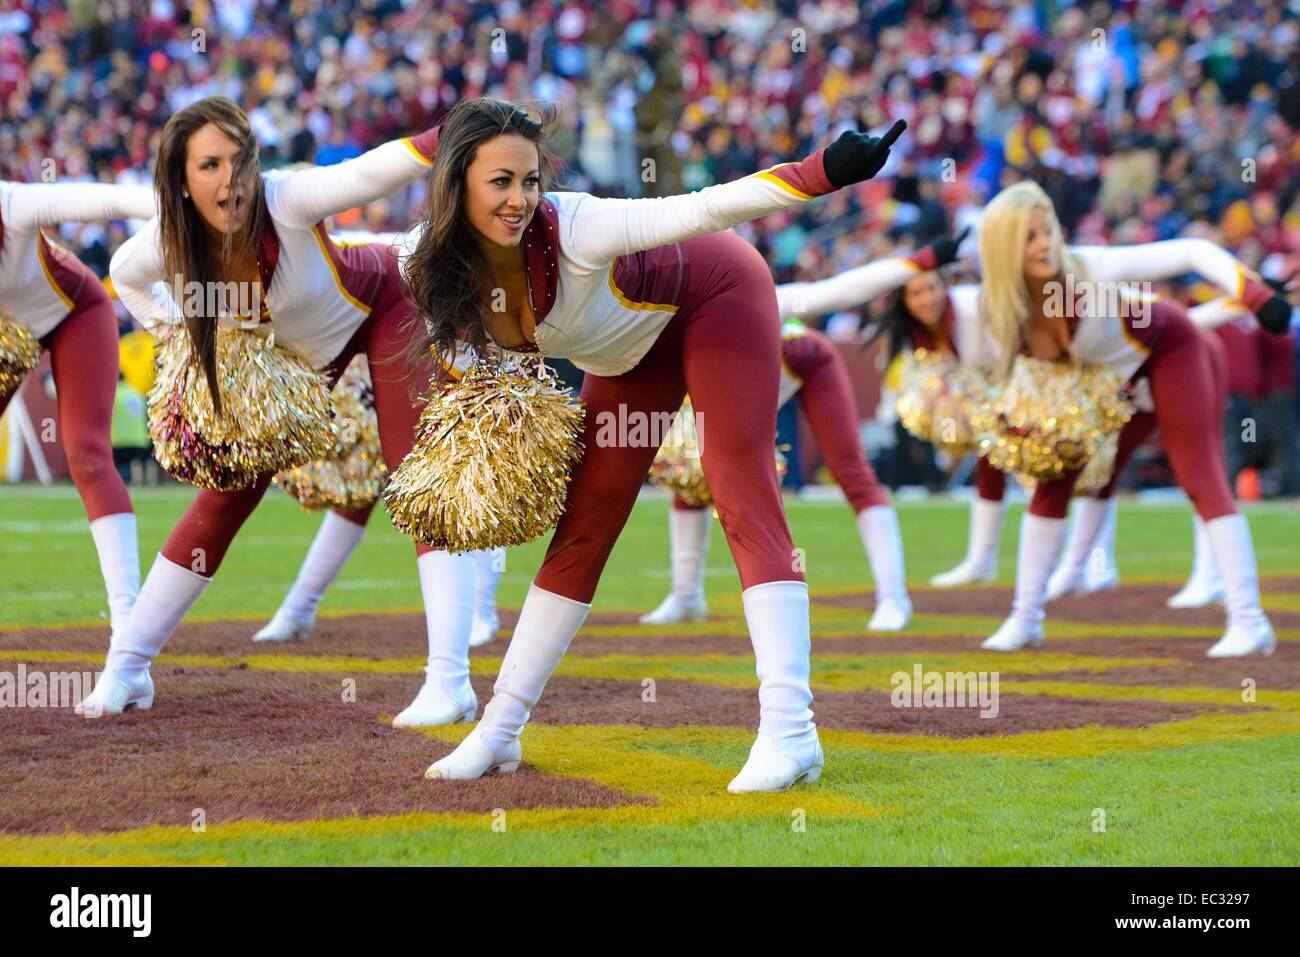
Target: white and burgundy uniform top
315	291
1098	336
39	280
606	276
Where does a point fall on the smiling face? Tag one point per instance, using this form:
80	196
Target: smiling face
925	299
1042	246
502	189
209	163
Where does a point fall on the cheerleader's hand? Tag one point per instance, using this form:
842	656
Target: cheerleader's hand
1275	315
855	157
945	248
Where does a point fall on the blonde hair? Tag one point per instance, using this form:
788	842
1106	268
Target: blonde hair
1004	232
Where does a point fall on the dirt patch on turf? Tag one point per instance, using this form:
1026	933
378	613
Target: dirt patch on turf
602	701
1126	605
243	744
1288	584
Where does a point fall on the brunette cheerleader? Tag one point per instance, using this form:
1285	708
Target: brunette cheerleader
223	221
50	300
651	298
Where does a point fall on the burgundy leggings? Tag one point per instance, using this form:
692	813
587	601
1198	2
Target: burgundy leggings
723	345
989	482
212	520
1189	387
826	397
84	357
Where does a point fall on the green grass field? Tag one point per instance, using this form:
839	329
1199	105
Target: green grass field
1216	783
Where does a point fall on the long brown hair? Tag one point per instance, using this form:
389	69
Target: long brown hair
447	274
186	249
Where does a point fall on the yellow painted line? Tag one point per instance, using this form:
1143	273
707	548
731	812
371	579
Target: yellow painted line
1089	741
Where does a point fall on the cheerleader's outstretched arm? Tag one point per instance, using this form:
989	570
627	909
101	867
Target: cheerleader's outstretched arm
32	205
304	197
600	230
849	289
1176	257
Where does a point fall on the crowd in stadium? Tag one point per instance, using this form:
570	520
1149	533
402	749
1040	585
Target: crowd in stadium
1143	121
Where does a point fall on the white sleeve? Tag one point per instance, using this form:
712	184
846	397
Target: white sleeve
33	205
1217	312
599	230
135	269
362	237
304	197
403	243
848	290
1165	260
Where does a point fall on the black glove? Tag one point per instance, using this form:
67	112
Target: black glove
855	157
1275	315
945	248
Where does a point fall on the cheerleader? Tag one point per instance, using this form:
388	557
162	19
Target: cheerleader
1025	262
50	300
651	298
813	370
224	221
927	314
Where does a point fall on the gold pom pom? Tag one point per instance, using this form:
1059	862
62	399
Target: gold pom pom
1051	417
491	460
677	467
20	351
276	412
353	474
942	402
1096	471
